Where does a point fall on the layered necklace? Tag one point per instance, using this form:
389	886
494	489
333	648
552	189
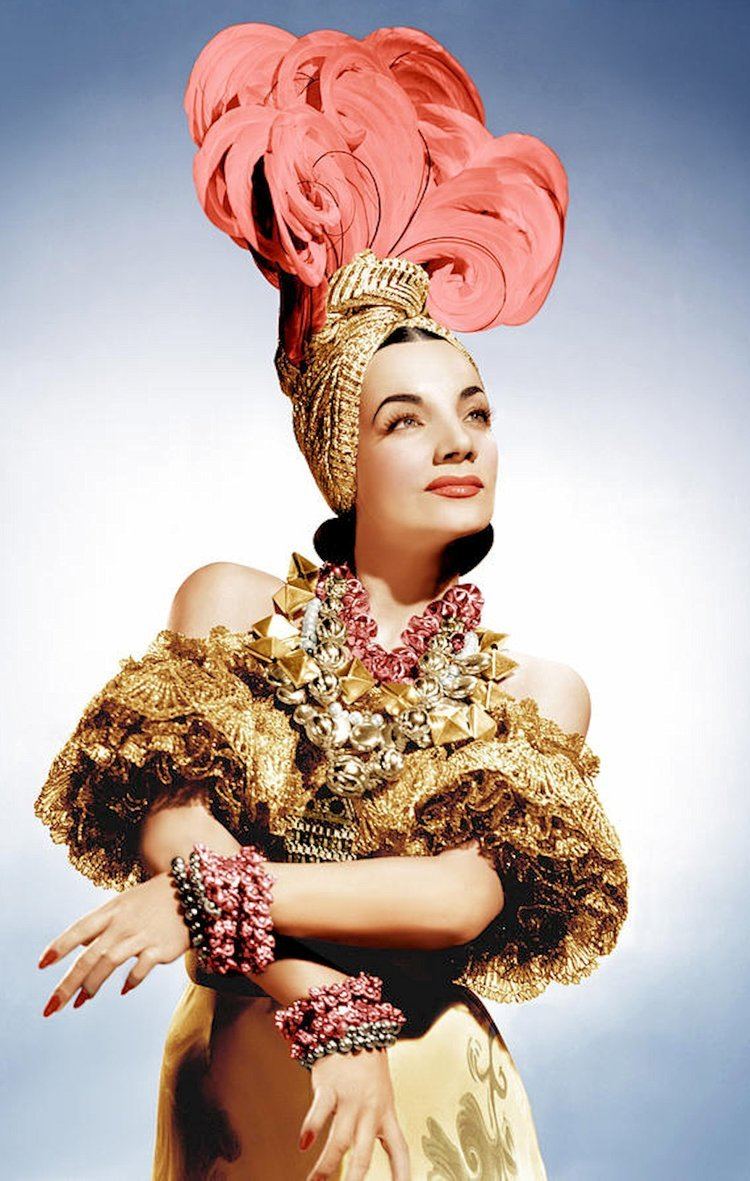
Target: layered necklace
435	687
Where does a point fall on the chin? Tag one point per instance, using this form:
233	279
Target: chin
460	516
452	526
443	520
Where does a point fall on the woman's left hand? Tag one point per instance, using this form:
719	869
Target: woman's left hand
144	921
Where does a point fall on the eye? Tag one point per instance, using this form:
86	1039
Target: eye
393	422
484	413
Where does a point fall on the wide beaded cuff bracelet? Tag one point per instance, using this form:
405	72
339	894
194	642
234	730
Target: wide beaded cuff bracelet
226	907
344	1017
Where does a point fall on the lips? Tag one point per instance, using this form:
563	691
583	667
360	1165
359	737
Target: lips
459	483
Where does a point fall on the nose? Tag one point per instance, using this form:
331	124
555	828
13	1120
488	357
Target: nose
456	444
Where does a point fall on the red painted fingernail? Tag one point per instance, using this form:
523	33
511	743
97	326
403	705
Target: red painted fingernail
49	957
306	1140
52	1004
82	997
126	987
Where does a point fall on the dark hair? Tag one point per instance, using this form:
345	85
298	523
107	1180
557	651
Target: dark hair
334	538
408	332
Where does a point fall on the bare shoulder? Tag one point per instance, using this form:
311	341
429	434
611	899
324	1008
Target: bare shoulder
560	692
222	593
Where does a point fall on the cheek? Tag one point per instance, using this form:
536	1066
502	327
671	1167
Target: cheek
490	457
387	469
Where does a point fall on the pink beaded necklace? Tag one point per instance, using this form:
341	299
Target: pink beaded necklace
461	603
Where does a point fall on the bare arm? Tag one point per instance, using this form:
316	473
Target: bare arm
412	902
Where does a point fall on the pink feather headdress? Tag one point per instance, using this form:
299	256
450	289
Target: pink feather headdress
361	177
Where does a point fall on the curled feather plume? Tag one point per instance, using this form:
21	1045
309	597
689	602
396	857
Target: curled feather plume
312	149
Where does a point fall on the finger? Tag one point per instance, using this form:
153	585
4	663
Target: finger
322	1106
394	1143
339	1139
148	958
81	932
106	964
50	956
79	970
362	1149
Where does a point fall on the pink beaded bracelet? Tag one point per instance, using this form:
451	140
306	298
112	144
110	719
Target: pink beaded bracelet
338	1018
227	902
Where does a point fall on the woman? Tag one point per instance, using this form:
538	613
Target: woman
399	802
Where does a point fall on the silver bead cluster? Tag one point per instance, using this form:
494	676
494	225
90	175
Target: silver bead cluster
370	1035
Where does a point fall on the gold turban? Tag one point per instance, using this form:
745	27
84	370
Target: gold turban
367	299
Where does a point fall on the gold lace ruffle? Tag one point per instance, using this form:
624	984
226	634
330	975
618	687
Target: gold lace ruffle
195	718
528	798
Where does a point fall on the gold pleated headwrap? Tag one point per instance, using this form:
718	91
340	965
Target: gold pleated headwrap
367	299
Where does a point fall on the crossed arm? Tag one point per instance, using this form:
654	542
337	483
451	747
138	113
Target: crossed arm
406	902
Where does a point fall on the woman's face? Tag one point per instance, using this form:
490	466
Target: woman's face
425	417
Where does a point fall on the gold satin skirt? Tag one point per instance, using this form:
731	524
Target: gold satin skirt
231	1099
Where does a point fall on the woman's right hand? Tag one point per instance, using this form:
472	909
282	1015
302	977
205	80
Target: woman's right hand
143	921
357	1090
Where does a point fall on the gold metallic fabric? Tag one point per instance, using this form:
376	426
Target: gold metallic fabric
196	718
366	299
231	1100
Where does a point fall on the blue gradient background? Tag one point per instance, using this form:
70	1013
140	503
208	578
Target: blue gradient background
145	435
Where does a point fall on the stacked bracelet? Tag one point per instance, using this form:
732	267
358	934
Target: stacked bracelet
226	906
196	907
339	1018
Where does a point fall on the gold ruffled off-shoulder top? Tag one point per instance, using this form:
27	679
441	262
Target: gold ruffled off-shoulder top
204	718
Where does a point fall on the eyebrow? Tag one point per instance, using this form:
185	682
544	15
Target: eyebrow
415	399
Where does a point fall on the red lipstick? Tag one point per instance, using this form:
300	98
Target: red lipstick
458	486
